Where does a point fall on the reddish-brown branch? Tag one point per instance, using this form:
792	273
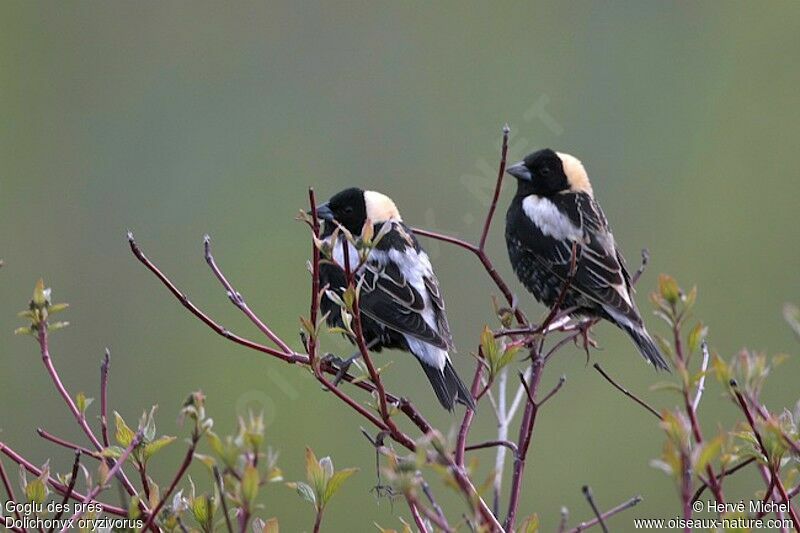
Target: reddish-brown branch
524	440
58	487
469	415
70	487
66	444
237	299
43	340
101	484
775	477
187	460
499	184
414	508
633	502
193	309
626	392
682	360
104	367
9	488
492	444
723	474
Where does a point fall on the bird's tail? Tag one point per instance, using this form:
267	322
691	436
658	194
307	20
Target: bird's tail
448	386
644	342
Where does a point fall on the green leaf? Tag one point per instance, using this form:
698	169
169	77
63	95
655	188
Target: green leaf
23	331
40	294
708	453
669	289
57	308
335	483
124	434
36	491
250	481
530	524
114	452
696	336
57	325
151	448
314	472
305	491
666	386
82	402
202	509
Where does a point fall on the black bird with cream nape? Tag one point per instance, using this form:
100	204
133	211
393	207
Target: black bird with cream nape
553	212
400	302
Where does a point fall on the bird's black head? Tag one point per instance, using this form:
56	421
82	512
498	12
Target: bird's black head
352	207
546	172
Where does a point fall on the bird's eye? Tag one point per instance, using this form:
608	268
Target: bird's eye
545	171
348	210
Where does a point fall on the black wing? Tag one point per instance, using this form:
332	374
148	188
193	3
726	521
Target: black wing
600	272
387	297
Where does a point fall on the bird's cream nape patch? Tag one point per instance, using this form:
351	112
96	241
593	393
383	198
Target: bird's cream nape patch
380	207
576	174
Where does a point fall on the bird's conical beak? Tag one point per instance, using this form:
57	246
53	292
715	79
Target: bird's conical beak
324	212
519	171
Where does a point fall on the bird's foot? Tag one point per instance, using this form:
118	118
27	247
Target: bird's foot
342	366
584	333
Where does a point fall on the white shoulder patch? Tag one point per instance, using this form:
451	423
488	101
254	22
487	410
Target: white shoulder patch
380	207
552	222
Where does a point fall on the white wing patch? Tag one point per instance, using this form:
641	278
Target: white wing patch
415	267
552	222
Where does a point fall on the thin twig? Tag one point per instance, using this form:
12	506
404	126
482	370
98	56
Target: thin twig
492	444
751	421
561	381
9	488
426	489
237	299
187	460
412	506
104	368
42	338
633	502
66	444
626	392
117	467
722	475
57	486
498	185
221	488
587	493
70	487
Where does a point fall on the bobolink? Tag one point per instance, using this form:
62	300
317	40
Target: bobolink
554	209
400	301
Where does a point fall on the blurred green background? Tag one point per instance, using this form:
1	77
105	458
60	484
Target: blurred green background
176	119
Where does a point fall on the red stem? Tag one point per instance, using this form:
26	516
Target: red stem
187	460
115	468
524	441
104	367
79	418
466	422
777	479
238	301
9	487
58	487
500	171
